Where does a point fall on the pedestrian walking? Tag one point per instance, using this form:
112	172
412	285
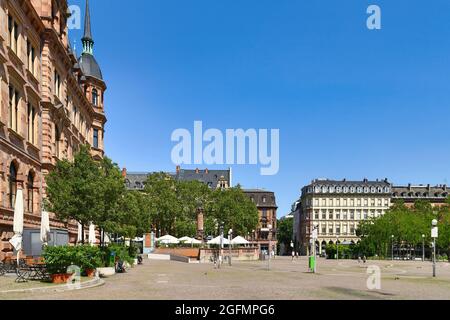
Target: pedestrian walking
364	259
293	255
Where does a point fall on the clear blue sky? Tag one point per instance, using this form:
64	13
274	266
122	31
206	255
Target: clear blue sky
349	102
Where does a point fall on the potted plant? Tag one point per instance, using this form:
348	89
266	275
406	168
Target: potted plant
57	260
88	258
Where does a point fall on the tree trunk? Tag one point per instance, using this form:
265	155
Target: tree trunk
82	233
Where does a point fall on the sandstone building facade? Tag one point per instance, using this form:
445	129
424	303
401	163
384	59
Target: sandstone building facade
51	102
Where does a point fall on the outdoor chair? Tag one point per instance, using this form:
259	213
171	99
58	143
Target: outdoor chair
32	270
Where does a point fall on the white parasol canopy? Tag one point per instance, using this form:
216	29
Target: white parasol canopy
239	241
168	239
92	237
16	240
45	227
217	241
190	240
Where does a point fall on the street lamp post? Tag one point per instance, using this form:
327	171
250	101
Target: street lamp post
337	248
230	232
434	235
221	246
423	248
392	249
270	246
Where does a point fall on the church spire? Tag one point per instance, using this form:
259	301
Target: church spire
88	42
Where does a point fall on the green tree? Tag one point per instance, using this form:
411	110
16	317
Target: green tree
234	210
73	189
285	232
161	191
111	191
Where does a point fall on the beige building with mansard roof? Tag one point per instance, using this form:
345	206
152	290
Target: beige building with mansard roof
335	209
51	102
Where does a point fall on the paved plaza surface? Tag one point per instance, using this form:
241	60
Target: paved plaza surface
345	279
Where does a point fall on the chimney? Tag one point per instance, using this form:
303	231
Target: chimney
124	172
178	169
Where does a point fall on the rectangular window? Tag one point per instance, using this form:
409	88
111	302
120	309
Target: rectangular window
13	34
366	215
31	124
324	202
338	215
345	214
13	108
330	215
366	202
316	214
96	142
352	215
359	202
57	79
31	57
380	202
338	202
316	202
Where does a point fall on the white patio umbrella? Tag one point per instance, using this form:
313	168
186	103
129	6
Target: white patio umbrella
168	239
80	233
92	237
16	240
106	238
239	241
45	227
189	240
217	241
186	239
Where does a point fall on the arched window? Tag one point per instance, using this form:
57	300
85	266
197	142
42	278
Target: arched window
30	190
95	97
12	185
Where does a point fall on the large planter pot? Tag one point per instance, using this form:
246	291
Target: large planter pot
61	278
90	273
106	272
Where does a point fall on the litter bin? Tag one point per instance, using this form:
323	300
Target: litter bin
112	259
312	263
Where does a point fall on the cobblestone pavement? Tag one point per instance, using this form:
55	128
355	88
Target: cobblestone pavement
251	280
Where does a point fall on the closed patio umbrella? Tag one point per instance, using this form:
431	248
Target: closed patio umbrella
92	237
80	233
45	227
16	240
